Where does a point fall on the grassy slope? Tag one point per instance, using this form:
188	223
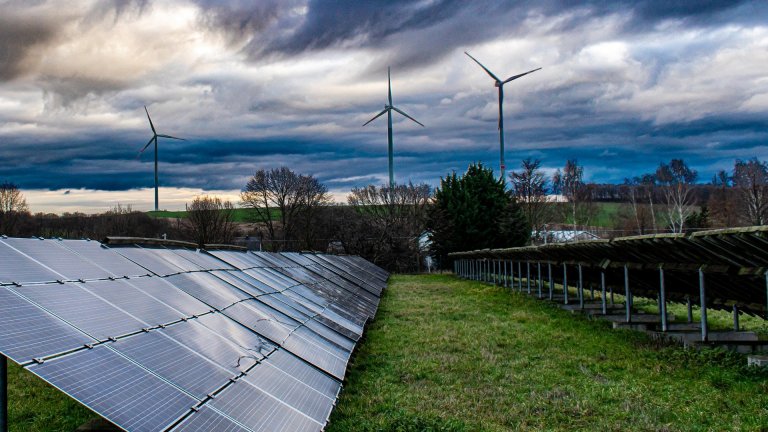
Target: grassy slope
35	406
451	355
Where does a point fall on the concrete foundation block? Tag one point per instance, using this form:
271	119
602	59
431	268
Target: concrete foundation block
757	360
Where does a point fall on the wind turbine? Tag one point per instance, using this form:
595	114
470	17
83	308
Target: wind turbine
388	109
155	135
500	84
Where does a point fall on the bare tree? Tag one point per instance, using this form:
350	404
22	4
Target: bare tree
676	180
639	193
13	206
570	182
312	196
722	202
751	180
292	196
210	220
391	221
529	186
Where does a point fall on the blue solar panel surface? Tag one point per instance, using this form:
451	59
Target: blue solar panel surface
171	338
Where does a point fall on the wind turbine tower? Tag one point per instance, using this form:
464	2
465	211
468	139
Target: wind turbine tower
155	135
388	109
500	85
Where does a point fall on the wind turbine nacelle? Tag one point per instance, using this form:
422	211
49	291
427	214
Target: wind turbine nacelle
497	84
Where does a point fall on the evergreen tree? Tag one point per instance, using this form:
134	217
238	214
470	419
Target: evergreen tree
474	211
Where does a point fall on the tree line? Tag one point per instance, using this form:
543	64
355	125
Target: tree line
397	227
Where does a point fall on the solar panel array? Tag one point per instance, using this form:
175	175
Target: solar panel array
173	338
731	264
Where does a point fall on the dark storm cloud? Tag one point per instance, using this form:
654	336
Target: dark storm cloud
420	33
20	38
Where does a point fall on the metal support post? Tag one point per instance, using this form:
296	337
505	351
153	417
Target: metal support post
551	293
735	318
662	300
581	289
511	275
565	284
538	264
3	393
506	278
520	276
627	294
690	308
528	275
703	297
602	291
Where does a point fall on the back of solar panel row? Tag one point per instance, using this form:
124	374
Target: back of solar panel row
156	338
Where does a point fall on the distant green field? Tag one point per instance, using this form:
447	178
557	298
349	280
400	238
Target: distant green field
607	214
240	215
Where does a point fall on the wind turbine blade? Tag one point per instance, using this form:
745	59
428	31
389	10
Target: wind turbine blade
150	120
389	86
377	116
412	119
145	147
512	78
171	137
484	68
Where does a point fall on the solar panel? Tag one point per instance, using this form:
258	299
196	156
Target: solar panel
208	289
203	260
148	260
174	258
175	298
130	299
246	338
174	362
261	412
291	365
266	322
104	257
18	268
74	304
59	259
208	419
316	355
107	383
291	391
236	259
163	338
28	332
213	346
243	283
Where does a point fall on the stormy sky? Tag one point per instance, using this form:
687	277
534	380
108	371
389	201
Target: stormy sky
625	85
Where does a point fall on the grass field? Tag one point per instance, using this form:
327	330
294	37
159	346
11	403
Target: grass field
239	215
606	215
452	355
34	406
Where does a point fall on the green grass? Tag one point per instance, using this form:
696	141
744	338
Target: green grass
239	215
450	355
35	406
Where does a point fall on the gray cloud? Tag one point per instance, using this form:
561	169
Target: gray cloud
21	38
625	86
